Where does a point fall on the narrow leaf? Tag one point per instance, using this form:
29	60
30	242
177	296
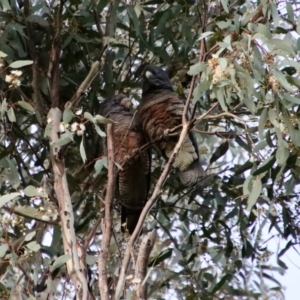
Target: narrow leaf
255	193
20	63
60	261
82	150
26	105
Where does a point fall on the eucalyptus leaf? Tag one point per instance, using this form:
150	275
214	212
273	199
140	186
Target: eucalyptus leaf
26	105
11	115
61	260
82	150
255	193
68	115
20	63
33	246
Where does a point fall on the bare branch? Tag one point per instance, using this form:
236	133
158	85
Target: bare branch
107	232
37	96
76	267
53	69
99	28
142	264
111	19
84	85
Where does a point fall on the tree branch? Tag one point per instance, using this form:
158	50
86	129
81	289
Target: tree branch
84	85
53	69
76	267
107	232
142	264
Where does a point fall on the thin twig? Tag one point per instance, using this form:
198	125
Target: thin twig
107	231
84	85
97	22
91	234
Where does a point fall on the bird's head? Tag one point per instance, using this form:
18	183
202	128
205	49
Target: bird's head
155	78
114	104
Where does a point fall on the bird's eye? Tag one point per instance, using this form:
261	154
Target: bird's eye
148	74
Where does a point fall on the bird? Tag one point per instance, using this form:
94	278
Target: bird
161	109
133	179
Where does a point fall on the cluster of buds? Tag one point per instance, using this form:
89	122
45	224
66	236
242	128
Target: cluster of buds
75	127
274	83
26	254
219	73
7	220
48	211
14	78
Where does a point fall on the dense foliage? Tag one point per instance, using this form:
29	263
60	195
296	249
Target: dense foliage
213	241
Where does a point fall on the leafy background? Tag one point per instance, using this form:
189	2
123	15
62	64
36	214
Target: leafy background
213	242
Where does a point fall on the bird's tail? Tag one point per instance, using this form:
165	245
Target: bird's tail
193	174
129	218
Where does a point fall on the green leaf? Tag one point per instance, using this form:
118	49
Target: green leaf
37	19
99	131
255	193
246	185
282	155
290	11
30	191
205	34
165	254
100	163
29	236
89	117
223	63
220	151
14	175
91	259
3	249
220	93
262	122
265	166
6	4
292	99
224	279
225	5
134	18
11	115
20	63
281	45
29	211
264	30
197	68
82	150
273	117
26	105
2	54
65	138
33	246
68	115
61	260
101	120
275	15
